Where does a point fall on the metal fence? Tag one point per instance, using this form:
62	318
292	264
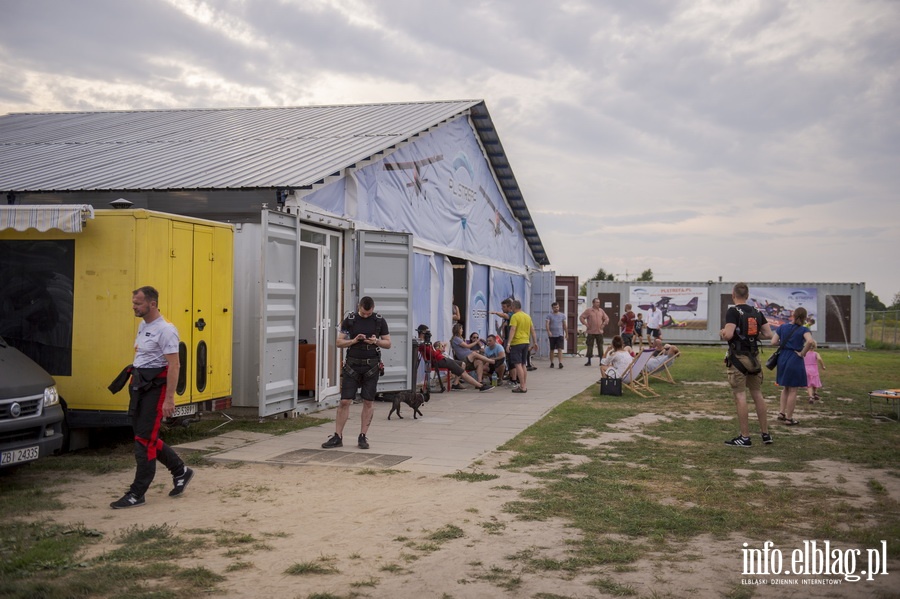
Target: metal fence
883	326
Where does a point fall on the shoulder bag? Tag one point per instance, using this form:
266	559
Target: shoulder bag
772	362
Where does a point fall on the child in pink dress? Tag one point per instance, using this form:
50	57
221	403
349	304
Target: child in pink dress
812	361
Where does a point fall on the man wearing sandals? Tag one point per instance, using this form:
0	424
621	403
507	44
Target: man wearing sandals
742	345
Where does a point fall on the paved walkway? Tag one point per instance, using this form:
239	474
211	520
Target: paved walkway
457	428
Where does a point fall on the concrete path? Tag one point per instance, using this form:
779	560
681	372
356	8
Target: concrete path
457	428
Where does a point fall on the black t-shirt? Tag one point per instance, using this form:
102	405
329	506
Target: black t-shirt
733	316
354	324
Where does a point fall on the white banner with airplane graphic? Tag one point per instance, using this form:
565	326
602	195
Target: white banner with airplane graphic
777	303
442	189
681	307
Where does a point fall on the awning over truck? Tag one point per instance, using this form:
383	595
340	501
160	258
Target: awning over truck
68	218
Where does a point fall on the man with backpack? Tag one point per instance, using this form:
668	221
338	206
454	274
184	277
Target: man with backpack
744	327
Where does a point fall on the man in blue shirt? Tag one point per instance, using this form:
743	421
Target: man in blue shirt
494	351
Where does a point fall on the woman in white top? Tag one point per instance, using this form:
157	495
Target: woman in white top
617	358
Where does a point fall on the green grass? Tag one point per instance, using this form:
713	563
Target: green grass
323	565
471	477
676	480
44	559
629	500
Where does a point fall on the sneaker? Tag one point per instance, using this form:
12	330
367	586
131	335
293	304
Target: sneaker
551	365
362	442
181	482
588	363
513	384
530	368
560	365
740	441
457	387
767	438
333	441
127	500
486	388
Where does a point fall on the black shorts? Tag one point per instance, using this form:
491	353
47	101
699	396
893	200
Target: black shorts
518	354
363	377
557	343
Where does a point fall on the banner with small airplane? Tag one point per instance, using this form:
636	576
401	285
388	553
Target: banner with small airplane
680	307
777	303
441	188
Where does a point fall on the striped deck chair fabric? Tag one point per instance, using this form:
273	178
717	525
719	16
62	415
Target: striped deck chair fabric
662	371
635	377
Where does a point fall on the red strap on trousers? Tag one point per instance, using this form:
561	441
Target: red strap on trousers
154	443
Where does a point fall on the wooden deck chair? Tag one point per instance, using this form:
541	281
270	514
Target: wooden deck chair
662	371
635	377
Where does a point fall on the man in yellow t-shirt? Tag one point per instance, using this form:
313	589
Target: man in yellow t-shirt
521	339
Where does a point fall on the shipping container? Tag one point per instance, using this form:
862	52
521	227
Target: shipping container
67	275
694	312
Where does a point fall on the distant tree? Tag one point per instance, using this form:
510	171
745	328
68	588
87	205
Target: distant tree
601	275
896	304
873	303
647	275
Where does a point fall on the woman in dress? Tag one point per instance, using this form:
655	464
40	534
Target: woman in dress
795	342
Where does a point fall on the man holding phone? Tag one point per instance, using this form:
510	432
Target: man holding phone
364	334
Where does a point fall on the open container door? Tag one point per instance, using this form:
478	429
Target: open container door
280	313
385	273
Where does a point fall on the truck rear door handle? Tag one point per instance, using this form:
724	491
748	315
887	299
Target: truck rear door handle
200	324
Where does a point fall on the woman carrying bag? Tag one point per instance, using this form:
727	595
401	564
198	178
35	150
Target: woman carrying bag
794	340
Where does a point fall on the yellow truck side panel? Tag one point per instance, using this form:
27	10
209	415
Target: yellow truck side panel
188	260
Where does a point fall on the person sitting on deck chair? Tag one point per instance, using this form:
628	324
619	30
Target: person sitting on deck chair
617	358
662	354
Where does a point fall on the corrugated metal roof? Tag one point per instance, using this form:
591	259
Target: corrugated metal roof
231	148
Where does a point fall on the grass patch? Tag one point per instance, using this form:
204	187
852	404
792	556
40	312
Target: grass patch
446	533
323	565
471	477
43	559
675	479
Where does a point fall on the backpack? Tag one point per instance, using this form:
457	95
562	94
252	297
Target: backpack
743	347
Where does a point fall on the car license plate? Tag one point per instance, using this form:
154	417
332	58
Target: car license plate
19	455
185	410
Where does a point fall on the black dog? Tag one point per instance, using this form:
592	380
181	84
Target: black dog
413	400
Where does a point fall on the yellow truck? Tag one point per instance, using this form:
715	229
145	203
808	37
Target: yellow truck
66	279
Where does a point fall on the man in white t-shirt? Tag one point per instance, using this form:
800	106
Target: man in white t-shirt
154	377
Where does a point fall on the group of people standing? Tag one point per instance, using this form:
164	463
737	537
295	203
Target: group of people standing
631	327
364	333
745	327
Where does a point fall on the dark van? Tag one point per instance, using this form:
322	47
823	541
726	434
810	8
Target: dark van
31	418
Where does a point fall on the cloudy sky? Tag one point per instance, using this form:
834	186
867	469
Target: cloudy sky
754	140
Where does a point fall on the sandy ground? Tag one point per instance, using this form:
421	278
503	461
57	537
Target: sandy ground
373	528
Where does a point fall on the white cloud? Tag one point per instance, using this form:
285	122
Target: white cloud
748	140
